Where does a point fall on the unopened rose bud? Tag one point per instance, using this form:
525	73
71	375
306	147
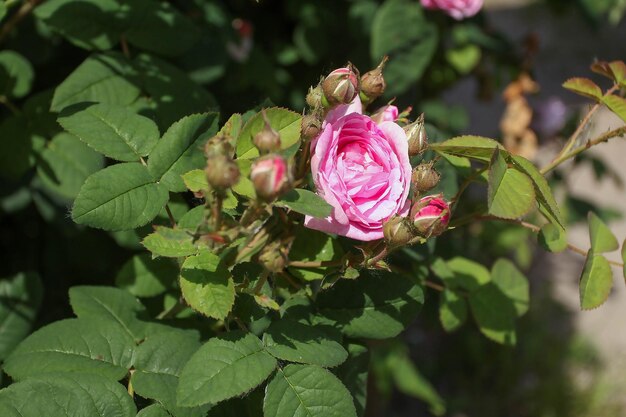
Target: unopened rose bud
373	82
268	139
221	172
425	177
219	145
388	113
416	135
311	127
397	231
314	97
341	86
430	215
272	257
270	176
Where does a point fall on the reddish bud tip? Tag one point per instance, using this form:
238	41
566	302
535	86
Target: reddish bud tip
430	215
271	177
388	113
416	136
341	86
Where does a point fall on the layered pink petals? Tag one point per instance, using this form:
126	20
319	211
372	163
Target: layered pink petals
458	9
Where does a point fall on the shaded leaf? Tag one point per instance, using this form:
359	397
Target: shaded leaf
305	202
553	238
143	276
353	374
511	193
494	313
596	281
602	239
170	243
512	283
584	87
474	147
16	74
452	310
286	122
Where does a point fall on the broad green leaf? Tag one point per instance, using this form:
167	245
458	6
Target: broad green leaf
143	276
311	245
3	10
494	313
473	147
305	202
193	218
159	27
464	58
296	342
618	68
170	243
244	187
101	78
158	363
66	163
154	410
401	31
553	238
16	74
73	345
307	391
88	24
596	281
602	239
195	180
20	299
285	122
111	129
119	197
375	306
466	274
512	283
624	257
353	374
108	303
180	149
207	286
233	126
452	310
511	193
250	405
545	198
617	105
226	366
19	147
584	87
65	395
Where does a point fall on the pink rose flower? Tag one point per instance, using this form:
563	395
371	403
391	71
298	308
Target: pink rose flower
388	113
458	9
431	215
270	176
362	169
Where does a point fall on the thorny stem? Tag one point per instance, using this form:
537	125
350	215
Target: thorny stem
23	11
125	48
262	281
304	159
314	264
170	215
216	211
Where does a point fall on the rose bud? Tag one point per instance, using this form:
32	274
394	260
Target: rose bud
267	140
388	113
431	215
270	176
314	97
416	135
373	83
219	145
340	86
425	177
272	257
311	127
397	231
221	172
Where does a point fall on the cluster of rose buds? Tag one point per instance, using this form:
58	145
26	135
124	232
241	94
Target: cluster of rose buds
221	170
429	217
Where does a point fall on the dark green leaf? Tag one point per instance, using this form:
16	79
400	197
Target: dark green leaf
511	193
170	243
494	313
466	274
353	374
305	202
452	310
512	283
553	238
143	276
474	147
154	410
285	122
16	74
311	245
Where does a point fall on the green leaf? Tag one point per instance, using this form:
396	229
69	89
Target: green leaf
311	245
143	276
20	299
108	303
466	274
224	367
111	129
101	78
119	197
307	390
180	149
596	281
305	202
401	31
3	10
602	239
207	286
64	395
553	238
494	313
474	147
584	87
19	147
170	243
285	122
195	180
73	345
16	74
545	198
452	310
375	306
296	342
66	163
154	410
353	374
158	363
464	58
512	283
511	193
617	105
88	24
624	257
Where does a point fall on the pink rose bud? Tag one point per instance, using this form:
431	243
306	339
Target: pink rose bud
270	176
267	140
416	135
388	113
458	9
341	86
431	215
397	231
373	83
425	177
221	172
311	127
